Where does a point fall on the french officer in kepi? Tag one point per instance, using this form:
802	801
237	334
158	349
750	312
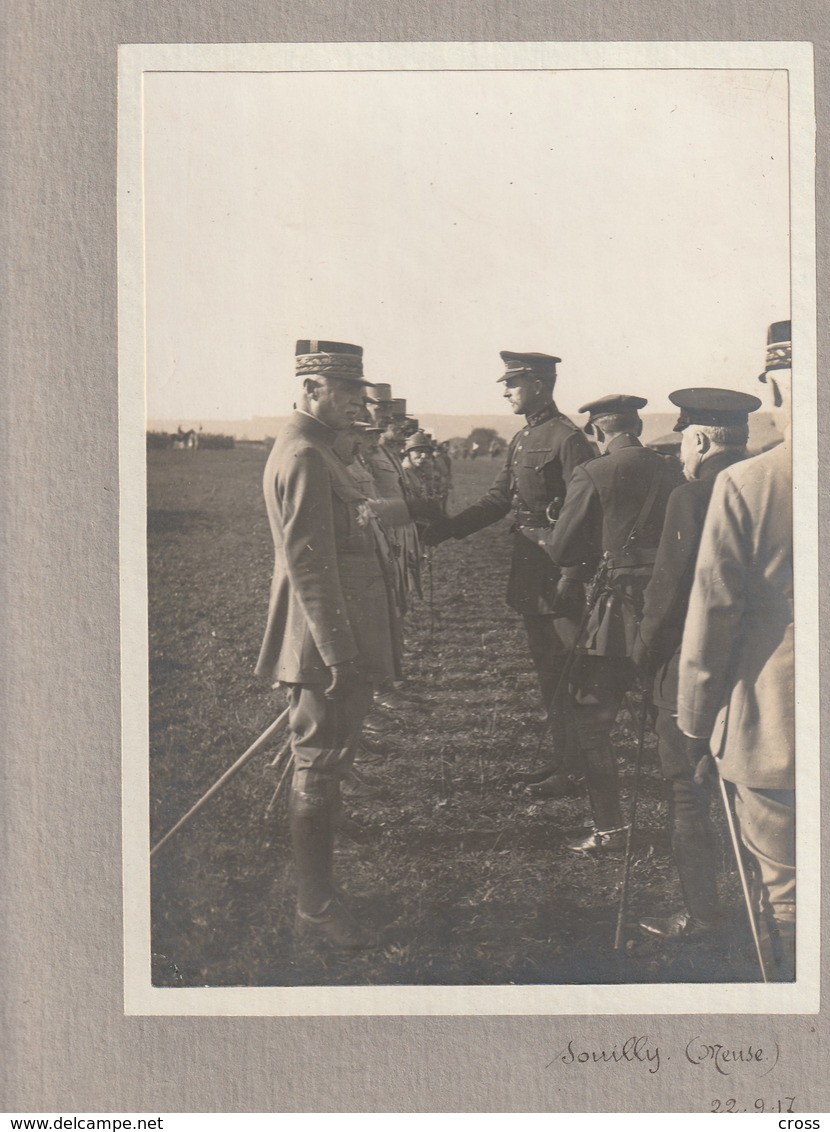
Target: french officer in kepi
714	426
531	486
612	516
328	637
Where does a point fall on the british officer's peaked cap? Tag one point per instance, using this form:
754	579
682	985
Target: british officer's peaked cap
528	364
717	407
611	403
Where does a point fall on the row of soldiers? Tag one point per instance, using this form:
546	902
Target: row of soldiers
405	479
605	567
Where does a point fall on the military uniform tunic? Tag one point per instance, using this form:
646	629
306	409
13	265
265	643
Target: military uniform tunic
657	650
531	485
604	503
540	461
667	594
328	595
623	491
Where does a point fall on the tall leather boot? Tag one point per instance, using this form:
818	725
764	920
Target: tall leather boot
604	795
603	786
695	858
694	854
320	911
311	822
557	777
695	862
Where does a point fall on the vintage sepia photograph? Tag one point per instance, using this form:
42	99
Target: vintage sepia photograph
469	601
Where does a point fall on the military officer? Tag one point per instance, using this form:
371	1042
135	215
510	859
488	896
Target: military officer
389	414
376	513
612	514
531	486
736	694
713	424
328	636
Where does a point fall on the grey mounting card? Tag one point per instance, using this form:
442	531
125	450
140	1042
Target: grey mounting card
69	897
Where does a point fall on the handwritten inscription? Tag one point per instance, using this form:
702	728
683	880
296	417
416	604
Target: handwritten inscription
751	1059
727	1059
636	1050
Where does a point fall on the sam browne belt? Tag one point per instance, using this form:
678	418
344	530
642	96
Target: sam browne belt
526	518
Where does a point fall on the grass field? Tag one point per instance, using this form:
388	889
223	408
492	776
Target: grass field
465	877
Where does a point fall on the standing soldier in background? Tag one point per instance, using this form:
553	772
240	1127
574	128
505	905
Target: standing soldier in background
612	517
379	513
531	486
736	694
421	479
328	635
714	426
389	414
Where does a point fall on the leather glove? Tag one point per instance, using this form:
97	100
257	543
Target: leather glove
569	599
700	758
344	678
437	532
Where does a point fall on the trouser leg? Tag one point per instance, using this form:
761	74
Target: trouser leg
548	639
767	821
599	686
324	735
690	828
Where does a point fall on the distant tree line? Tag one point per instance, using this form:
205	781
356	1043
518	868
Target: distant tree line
205	440
480	443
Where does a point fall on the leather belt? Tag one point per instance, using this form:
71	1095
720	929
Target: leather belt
525	518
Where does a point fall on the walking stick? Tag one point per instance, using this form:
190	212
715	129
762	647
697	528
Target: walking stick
283	751
431	593
254	749
632	818
289	763
733	834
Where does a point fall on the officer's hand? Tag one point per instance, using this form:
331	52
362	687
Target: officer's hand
569	599
437	532
700	758
644	662
344	678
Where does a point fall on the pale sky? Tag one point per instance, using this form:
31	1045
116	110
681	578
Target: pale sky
636	223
